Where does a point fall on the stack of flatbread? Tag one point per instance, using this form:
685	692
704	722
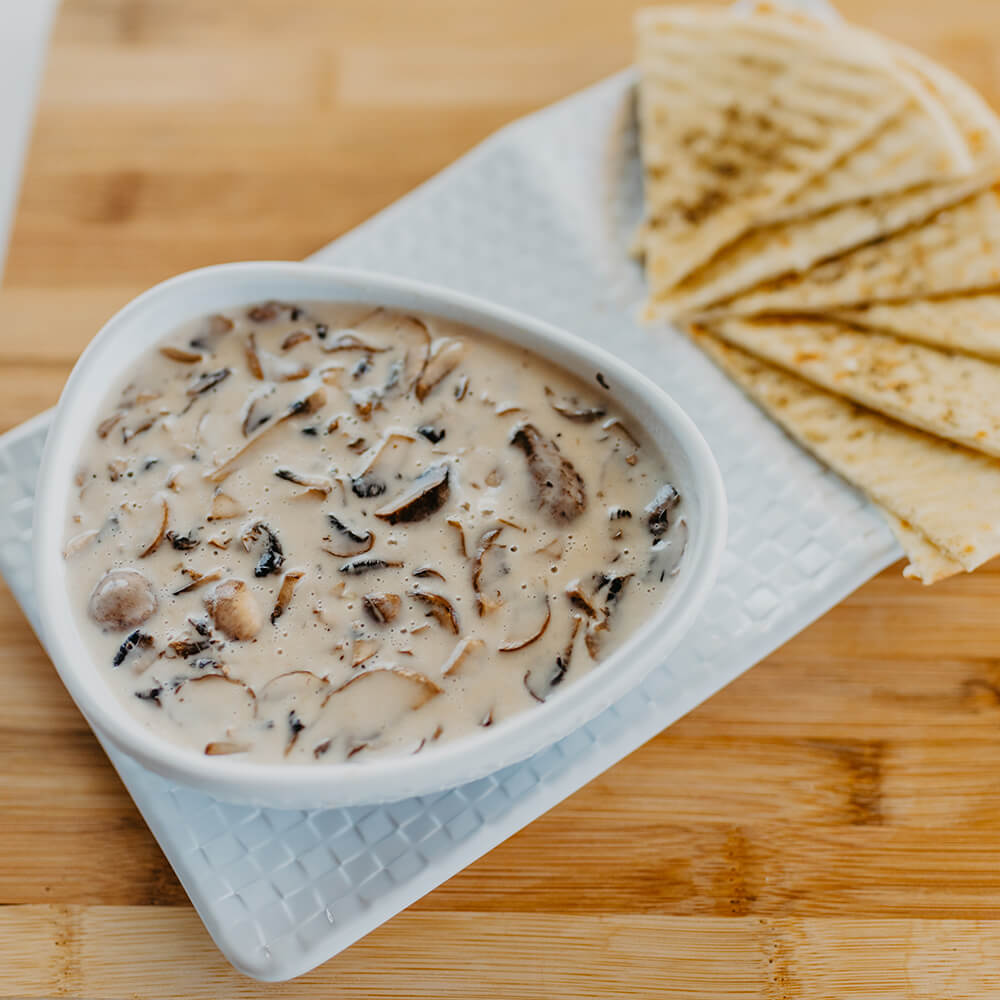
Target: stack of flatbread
822	214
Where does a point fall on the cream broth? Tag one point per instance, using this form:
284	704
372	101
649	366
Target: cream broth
321	532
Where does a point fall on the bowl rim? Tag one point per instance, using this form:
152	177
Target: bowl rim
389	778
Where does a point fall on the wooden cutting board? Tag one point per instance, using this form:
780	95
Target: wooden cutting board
827	827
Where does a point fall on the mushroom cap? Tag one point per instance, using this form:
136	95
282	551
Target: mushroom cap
122	599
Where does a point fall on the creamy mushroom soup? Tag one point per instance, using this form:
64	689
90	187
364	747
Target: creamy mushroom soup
321	532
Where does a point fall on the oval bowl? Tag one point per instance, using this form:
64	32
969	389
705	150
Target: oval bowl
155	314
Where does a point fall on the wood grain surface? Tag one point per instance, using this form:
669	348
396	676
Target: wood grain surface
826	827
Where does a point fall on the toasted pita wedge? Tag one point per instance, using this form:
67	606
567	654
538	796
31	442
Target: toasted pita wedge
927	563
958	250
946	492
950	395
738	112
793	247
968	323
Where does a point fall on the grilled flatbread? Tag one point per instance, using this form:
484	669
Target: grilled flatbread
947	493
958	250
969	323
928	563
737	113
950	395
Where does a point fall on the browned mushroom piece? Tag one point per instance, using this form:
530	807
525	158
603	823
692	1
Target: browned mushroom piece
460	530
292	700
234	610
313	484
579	600
408	334
357	567
536	633
572	409
197	580
461	657
338	723
224	507
145	424
107	425
182	355
206	381
363	648
424	497
424	571
594	636
161	531
183	543
540	682
137	640
268	312
445	358
272	556
347	541
295	338
256	415
218	748
658	510
559	488
486	542
122	599
285	592
438	607
382	607
212	701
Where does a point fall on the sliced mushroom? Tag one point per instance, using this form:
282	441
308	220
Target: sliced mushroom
571	408
137	640
577	598
108	424
161	531
222	747
382	607
362	650
541	688
285	592
425	496
254	416
667	552
79	542
211	702
558	486
272	557
181	354
224	507
446	357
486	541
183	543
658	510
207	380
594	636
339	723
313	484
292	699
457	525
268	312
433	434
234	610
294	338
439	608
122	599
516	644
408	332
349	542
423	571
305	406
347	340
355	567
144	425
185	648
197	580
460	656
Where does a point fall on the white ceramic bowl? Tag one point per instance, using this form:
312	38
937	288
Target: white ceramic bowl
214	289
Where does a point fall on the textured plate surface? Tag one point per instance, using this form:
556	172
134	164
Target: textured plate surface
537	218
